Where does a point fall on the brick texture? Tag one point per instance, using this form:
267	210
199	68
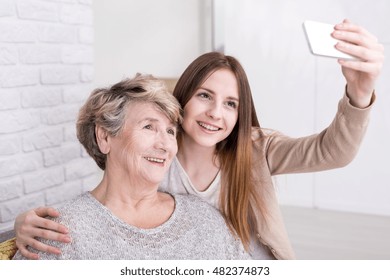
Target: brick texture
46	73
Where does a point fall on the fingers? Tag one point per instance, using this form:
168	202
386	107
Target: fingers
354	33
35	226
371	59
42	247
360	43
27	254
49	226
49	235
31	224
35	218
365	54
372	68
25	237
39	246
46	211
358	39
23	240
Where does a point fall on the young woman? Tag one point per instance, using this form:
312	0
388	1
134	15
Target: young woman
228	160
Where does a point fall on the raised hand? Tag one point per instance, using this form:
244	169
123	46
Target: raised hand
361	75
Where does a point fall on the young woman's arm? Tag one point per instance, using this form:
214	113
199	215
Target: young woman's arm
32	224
338	144
334	147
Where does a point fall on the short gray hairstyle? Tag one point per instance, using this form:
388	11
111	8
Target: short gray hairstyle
106	107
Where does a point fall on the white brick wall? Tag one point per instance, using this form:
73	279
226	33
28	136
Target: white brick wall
46	72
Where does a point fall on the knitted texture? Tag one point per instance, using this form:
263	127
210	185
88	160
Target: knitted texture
195	230
7	249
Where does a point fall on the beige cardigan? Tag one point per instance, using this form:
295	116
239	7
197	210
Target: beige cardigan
274	154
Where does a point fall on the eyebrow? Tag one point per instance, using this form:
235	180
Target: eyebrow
212	92
155	121
148	119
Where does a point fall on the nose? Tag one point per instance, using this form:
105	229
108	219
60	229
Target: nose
215	111
162	141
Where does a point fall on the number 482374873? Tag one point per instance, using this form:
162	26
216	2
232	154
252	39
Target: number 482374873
241	270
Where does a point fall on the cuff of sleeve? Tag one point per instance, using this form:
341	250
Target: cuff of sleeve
354	114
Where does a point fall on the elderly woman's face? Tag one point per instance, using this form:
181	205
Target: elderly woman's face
147	144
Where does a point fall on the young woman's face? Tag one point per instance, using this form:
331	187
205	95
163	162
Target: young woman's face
212	112
147	144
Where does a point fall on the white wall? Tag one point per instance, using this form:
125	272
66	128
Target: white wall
297	94
46	72
149	36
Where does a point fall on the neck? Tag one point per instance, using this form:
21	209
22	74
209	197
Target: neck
199	162
192	154
118	191
139	205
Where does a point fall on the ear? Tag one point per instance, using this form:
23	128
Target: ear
102	139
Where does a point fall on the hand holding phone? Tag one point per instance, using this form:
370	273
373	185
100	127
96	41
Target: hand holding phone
321	42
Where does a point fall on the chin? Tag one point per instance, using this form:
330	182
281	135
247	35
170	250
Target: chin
207	144
209	141
157	179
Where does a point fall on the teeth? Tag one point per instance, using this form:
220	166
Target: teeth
208	127
159	160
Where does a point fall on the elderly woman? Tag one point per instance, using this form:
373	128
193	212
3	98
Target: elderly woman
130	131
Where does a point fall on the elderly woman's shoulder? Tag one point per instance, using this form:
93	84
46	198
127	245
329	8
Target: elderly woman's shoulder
75	207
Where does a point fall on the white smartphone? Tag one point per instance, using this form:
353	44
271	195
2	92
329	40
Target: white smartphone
320	40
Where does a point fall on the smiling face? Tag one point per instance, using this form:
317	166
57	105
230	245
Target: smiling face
146	146
212	112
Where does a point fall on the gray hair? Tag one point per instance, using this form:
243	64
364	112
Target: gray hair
106	107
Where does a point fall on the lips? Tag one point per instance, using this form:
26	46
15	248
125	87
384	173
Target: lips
209	127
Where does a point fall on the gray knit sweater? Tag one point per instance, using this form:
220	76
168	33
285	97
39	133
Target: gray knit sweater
195	230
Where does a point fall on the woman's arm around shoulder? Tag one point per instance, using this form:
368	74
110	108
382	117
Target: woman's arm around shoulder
32	224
